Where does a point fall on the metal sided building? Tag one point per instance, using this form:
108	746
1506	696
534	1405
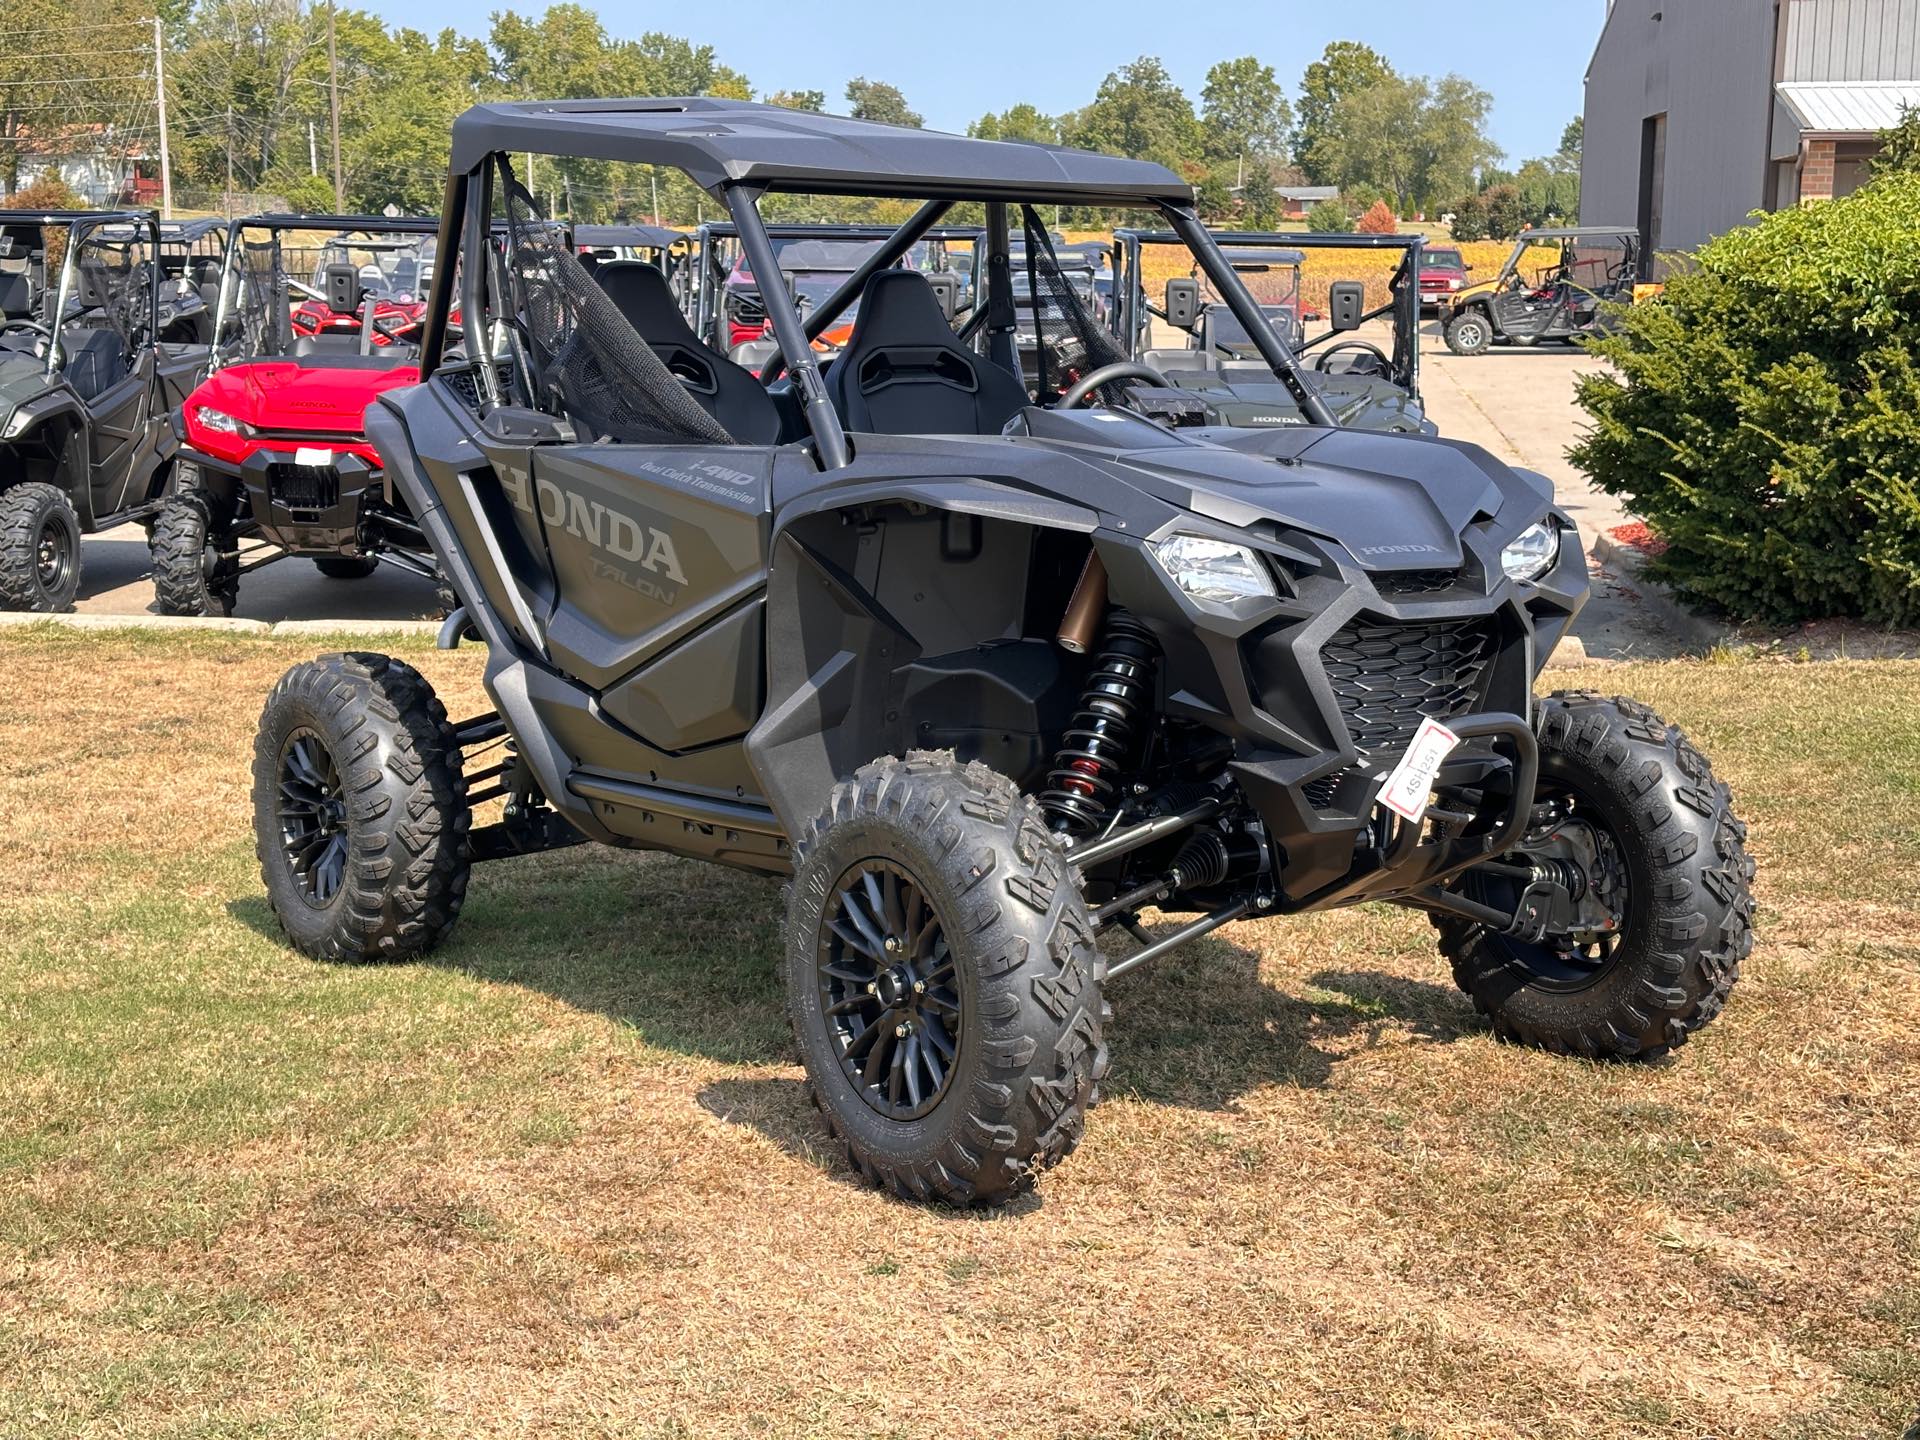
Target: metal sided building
1699	112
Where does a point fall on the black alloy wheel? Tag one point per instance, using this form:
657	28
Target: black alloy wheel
53	556
889	991
1582	847
313	817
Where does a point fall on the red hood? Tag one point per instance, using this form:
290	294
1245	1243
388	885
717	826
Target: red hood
291	397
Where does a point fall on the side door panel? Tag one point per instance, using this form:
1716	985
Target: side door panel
658	556
120	415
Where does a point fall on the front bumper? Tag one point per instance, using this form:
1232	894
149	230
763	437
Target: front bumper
305	499
1322	690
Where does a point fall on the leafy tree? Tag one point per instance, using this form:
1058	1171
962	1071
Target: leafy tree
1139	111
877	100
1243	111
1378	220
1329	217
1373	139
810	100
1214	195
1021	122
1453	140
1469	217
1764	413
1343	68
1504	213
1547	193
1572	141
1900	145
47	191
53	110
1259	199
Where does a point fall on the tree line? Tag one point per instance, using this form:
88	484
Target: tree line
249	86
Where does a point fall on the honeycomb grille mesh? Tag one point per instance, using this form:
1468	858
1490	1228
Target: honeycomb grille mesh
1387	675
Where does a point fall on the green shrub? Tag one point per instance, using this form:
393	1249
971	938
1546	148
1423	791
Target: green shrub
1329	217
1765	418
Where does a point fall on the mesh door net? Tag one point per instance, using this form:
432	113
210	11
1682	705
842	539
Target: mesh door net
113	287
257	306
1069	343
585	356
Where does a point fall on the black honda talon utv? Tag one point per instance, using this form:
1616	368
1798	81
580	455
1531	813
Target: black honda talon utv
986	679
1223	380
85	388
318	314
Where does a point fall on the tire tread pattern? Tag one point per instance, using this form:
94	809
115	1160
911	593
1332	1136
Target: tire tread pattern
23	508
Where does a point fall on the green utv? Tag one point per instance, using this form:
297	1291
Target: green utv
86	388
996	671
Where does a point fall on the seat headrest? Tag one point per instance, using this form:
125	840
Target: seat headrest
899	308
16	296
641	293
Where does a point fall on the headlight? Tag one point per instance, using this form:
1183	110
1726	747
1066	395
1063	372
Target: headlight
16	423
219	421
1531	553
1214	570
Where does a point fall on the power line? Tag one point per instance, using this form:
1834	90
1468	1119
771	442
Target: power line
65	29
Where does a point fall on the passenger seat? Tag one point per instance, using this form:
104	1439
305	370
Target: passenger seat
723	389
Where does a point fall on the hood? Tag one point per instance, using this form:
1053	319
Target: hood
301	396
1394	502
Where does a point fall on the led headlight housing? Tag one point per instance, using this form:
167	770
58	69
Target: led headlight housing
1531	553
219	421
1214	572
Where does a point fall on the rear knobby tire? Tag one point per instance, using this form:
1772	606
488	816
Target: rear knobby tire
1030	1052
39	549
196	562
401	812
1690	912
1469	333
345	567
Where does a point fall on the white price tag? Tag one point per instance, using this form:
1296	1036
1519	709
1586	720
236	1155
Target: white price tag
310	455
1410	783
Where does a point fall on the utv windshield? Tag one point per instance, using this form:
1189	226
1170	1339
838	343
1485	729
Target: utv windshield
297	286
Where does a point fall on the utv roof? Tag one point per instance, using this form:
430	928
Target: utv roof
1240	256
70	217
732	142
348	224
1578	232
644	237
1231	240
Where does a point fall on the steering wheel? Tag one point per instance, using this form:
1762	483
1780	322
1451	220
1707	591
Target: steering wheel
1106	375
1365	347
33	327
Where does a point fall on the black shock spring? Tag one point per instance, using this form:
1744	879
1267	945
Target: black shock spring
1100	737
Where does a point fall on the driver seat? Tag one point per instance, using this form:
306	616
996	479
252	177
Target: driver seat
904	371
723	389
16	303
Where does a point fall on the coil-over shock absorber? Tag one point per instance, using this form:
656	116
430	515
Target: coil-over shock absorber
1100	737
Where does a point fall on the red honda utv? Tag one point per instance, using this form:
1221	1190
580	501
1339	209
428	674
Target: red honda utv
318	316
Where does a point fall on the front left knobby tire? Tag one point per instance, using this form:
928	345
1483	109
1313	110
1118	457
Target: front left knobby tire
196	560
359	810
39	549
1675	871
943	982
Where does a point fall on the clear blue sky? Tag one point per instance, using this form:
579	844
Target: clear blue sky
1530	55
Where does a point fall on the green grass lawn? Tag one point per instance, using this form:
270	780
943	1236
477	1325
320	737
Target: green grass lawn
563	1177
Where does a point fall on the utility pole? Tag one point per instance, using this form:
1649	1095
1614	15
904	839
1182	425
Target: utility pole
229	205
333	113
160	98
313	151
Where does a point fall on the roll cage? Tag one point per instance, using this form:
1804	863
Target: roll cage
741	152
1134	308
79	290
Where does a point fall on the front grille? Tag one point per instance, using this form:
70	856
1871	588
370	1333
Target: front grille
1414	582
304	487
1387	675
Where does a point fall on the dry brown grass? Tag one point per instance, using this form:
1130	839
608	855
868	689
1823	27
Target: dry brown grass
563	1179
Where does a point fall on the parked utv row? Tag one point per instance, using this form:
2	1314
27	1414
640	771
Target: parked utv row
998	630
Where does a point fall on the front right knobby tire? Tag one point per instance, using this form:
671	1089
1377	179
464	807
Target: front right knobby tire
1687	873
397	806
1469	333
1029	977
